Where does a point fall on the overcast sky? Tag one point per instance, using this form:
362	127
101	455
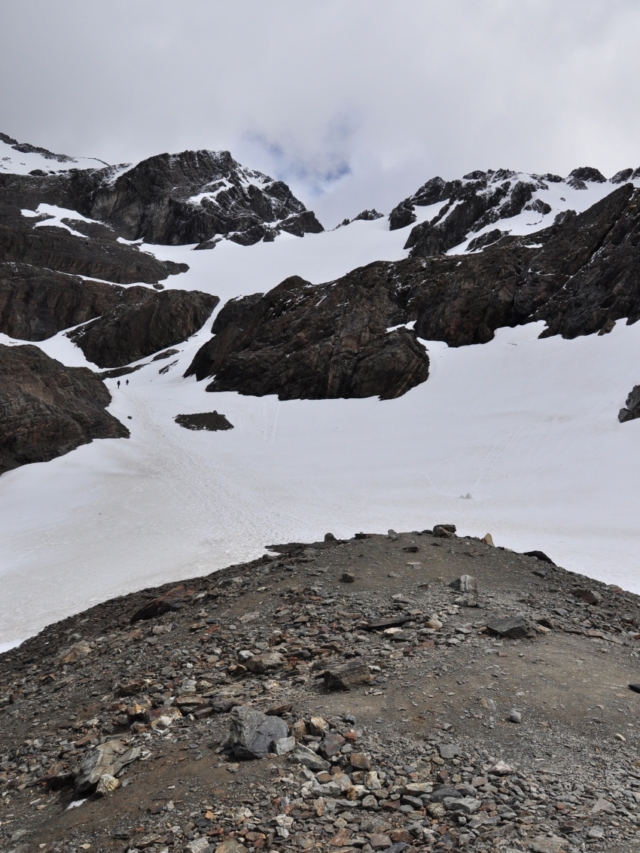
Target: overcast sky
354	103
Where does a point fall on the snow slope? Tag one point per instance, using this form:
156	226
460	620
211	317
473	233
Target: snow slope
527	427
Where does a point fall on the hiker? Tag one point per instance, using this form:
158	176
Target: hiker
118	383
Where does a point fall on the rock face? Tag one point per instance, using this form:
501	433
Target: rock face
580	276
302	341
134	330
25	240
36	303
47	409
191	197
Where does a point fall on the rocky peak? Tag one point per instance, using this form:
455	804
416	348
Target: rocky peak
363	216
464	211
191	197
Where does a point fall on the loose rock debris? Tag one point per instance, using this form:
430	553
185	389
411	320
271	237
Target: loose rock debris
271	706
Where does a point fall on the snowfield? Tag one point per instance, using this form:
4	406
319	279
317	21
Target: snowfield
518	437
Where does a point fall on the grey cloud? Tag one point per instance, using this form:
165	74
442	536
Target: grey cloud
354	102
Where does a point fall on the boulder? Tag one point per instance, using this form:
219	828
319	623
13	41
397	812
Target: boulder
466	584
588	596
308	758
170	600
346	676
539	555
631	410
252	733
210	421
268	662
511	627
444	531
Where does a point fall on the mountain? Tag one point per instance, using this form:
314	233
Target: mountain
63	262
174	199
482	346
343	339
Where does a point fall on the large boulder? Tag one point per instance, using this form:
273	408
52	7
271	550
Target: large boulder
251	733
106	759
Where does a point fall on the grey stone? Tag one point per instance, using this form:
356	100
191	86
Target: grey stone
348	675
466	805
449	750
512	627
284	745
548	844
308	758
465	583
251	732
265	663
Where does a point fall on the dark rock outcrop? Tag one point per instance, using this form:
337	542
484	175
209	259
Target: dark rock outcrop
368	215
134	330
478	200
47	409
584	277
36	303
193	196
631	409
301	341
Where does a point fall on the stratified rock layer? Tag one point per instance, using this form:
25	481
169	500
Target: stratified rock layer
36	303
47	409
24	240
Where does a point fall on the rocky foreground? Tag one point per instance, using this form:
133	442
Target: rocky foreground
386	693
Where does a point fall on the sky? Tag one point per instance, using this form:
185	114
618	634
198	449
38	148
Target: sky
354	103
